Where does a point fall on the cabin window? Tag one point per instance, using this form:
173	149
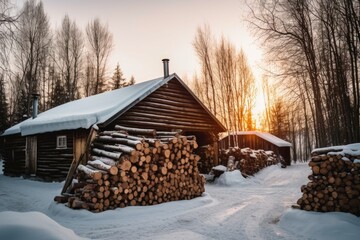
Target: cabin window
61	142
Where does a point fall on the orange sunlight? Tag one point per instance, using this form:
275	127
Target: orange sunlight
259	107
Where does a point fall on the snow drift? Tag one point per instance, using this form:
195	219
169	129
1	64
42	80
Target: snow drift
32	226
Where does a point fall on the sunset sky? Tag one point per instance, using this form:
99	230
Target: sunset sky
147	31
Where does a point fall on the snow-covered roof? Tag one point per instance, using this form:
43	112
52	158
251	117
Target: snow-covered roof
97	109
266	136
83	113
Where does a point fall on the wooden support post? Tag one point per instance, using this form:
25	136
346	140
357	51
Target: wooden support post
31	155
215	143
76	161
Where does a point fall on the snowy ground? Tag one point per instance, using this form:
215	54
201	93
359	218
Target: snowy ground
231	208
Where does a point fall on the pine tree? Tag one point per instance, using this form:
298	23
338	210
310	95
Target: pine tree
3	106
131	81
21	110
59	95
118	80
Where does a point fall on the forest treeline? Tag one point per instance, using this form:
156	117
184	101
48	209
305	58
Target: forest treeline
61	64
313	52
227	86
311	83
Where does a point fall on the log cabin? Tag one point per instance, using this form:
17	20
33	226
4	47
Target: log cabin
45	145
257	140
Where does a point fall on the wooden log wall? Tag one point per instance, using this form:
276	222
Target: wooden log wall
248	161
52	163
14	155
132	166
334	184
169	107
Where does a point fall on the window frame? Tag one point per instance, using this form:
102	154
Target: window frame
61	142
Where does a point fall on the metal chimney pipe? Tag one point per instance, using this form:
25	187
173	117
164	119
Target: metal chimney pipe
35	104
166	67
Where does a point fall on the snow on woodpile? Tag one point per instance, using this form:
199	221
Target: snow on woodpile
32	226
247	160
220	168
127	169
233	178
335	180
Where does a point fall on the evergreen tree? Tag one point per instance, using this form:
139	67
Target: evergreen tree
21	110
3	106
118	80
131	81
59	94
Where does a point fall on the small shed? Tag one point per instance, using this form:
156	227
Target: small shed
257	140
45	146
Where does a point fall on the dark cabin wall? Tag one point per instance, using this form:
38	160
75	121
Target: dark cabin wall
53	163
169	107
286	154
13	151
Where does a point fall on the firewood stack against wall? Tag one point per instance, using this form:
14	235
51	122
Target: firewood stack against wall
132	166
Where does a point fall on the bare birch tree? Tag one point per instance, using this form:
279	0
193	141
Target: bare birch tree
33	39
69	46
100	42
315	46
226	84
7	25
203	45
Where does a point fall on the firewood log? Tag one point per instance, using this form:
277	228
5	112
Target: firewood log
105	160
112	155
113	170
95	175
137	144
151	132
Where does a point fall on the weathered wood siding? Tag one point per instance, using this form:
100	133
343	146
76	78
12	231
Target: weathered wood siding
53	163
80	137
13	150
169	107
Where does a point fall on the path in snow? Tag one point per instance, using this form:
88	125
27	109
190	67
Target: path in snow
249	209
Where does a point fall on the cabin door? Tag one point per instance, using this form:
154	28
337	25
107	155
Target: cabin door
31	155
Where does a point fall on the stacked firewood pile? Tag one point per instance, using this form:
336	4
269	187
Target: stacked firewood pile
334	183
207	158
248	161
132	166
